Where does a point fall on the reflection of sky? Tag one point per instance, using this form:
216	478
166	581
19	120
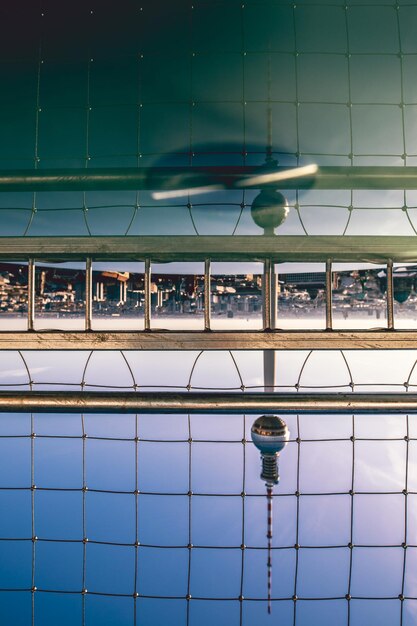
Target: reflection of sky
216	467
124	88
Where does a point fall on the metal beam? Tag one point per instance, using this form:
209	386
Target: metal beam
160	248
207	294
171	178
147	290
390	295
88	294
31	294
191	402
329	295
211	340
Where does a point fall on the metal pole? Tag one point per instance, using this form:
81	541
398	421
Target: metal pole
329	294
269	321
213	403
147	294
269	370
390	295
266	295
207	294
88	293
227	177
274	296
31	294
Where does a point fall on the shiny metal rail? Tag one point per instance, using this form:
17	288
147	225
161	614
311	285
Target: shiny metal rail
171	178
192	402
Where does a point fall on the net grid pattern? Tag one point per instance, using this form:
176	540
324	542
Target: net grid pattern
134	152
190	495
189	441
245	47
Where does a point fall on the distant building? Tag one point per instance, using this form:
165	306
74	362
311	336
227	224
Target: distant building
311	282
62	290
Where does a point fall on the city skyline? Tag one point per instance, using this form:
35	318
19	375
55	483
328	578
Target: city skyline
62	291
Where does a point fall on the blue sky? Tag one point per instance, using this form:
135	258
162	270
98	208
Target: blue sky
325	468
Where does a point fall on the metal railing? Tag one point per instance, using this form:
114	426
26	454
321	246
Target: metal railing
206	403
269	249
171	178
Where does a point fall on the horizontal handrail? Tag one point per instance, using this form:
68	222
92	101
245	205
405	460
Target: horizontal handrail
172	178
191	402
210	340
279	248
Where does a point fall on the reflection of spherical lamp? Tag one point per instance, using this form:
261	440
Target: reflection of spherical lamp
269	209
270	435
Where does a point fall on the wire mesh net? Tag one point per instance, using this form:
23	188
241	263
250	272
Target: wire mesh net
103	529
153	519
188	84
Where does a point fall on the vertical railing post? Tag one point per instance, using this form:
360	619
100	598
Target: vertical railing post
207	294
147	294
31	294
274	296
88	293
390	295
269	293
329	295
266	295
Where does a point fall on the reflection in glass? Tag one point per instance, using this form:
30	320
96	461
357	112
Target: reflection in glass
405	296
236	296
301	296
359	296
13	296
118	292
60	295
177	296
